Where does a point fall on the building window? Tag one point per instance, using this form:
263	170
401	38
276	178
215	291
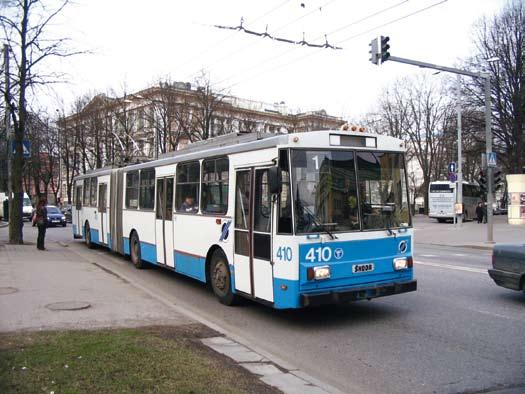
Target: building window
147	188
215	174
93	194
132	190
187	189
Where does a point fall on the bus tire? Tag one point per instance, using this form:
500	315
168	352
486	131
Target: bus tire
220	279
87	231
441	220
134	251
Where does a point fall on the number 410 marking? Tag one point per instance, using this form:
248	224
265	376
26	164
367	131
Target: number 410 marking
319	254
284	253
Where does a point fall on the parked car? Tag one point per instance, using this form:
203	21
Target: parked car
27	208
500	211
508	266
55	217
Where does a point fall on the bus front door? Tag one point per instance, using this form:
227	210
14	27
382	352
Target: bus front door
102	209
253	225
164	221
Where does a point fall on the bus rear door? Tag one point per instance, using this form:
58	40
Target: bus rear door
164	221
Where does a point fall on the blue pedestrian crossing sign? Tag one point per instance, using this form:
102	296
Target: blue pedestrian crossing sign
26	148
452	166
491	159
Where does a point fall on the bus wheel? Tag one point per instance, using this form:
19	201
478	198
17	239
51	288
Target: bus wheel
134	246
87	231
221	279
441	220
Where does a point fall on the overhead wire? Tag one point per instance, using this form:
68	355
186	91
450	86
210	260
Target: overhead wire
338	42
230	54
224	39
289	51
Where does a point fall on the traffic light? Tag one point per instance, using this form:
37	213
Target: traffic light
482	180
498	179
374	51
384	48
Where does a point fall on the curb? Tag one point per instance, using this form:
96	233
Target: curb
3	224
470	246
270	368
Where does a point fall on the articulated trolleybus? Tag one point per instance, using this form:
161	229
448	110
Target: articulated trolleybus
289	220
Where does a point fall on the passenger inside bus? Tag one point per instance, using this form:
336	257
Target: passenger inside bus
189	205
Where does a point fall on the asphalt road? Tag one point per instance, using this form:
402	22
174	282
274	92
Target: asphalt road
458	333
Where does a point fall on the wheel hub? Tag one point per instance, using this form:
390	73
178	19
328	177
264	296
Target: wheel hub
220	277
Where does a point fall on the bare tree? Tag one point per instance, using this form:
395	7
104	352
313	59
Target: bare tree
207	104
124	115
420	112
502	37
23	24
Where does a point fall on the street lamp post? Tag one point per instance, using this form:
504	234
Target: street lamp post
459	188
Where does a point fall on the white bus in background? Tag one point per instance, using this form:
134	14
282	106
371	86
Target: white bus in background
442	198
289	220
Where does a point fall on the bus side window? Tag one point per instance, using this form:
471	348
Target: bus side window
93	197
132	190
87	193
187	188
284	207
147	188
215	174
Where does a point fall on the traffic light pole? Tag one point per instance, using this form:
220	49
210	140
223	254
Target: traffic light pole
488	127
488	149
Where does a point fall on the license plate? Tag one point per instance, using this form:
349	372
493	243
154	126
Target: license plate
359	268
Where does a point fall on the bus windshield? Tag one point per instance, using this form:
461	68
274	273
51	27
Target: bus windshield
441	188
349	191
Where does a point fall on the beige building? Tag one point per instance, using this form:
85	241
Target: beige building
143	125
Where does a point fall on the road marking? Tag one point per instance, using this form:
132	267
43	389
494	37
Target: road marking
460	254
429	255
454	267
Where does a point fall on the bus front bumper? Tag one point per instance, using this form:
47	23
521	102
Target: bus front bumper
359	293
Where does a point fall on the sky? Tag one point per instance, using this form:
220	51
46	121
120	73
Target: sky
132	44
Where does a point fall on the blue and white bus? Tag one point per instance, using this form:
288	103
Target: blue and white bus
288	220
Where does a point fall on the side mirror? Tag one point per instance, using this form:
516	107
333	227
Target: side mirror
275	180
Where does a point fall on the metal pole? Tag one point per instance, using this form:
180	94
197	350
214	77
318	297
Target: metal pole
7	128
488	136
459	189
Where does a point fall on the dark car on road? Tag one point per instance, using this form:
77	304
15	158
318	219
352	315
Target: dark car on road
66	210
508	266
55	217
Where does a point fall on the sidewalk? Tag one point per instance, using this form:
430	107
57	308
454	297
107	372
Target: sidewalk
60	289
33	282
470	234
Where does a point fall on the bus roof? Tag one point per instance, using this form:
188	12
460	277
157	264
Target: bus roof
240	142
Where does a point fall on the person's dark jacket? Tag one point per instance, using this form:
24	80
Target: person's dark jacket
479	211
41	215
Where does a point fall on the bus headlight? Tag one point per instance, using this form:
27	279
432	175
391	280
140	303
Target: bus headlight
318	273
402	263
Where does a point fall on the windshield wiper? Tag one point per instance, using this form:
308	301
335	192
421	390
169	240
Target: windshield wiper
318	224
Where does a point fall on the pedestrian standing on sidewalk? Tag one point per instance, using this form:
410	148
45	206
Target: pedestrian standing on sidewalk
41	222
479	212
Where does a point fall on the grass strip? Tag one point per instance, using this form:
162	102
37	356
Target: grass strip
134	360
